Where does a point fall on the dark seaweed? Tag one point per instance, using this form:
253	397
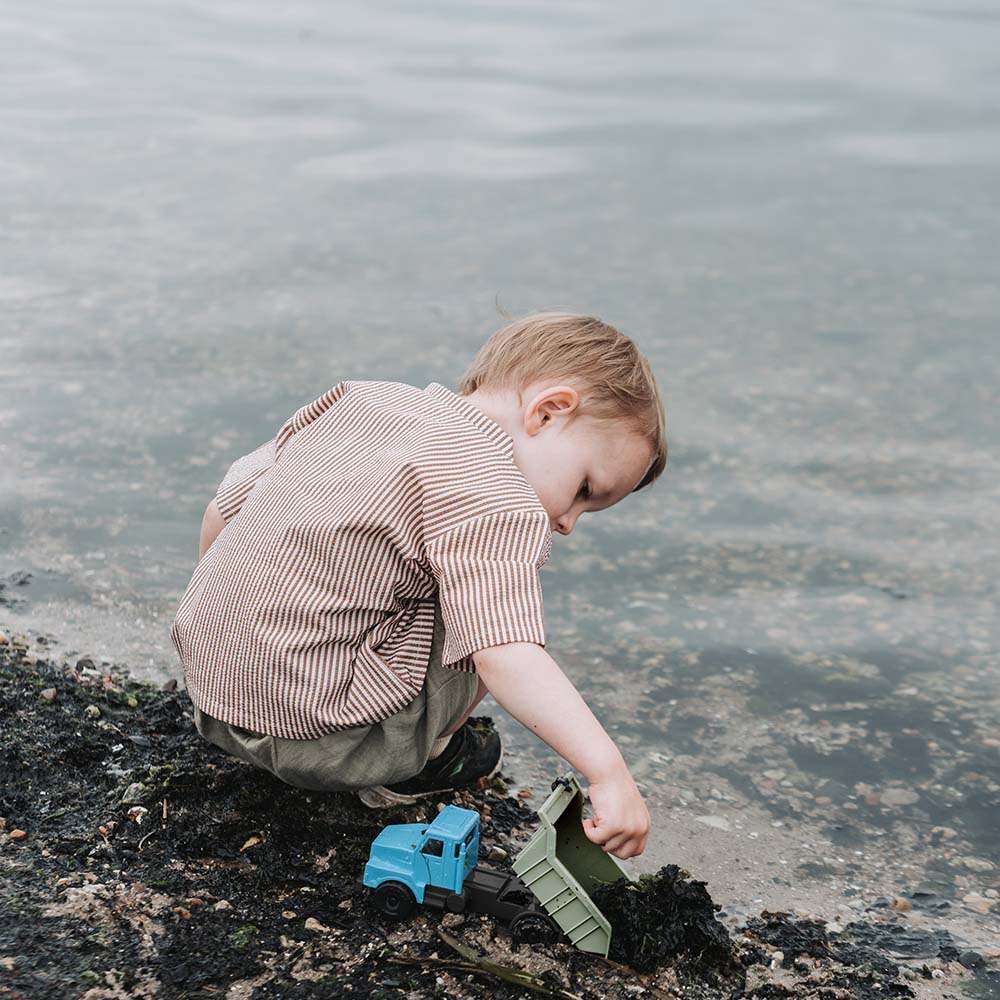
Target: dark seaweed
670	918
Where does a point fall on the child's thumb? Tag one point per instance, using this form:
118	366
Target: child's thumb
591	832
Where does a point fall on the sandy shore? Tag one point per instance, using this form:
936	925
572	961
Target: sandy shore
223	897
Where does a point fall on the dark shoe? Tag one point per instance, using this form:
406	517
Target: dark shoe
474	752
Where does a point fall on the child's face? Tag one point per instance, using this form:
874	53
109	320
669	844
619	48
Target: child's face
563	460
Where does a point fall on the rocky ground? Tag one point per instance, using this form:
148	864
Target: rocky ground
138	861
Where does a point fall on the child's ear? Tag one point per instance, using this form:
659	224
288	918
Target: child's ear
550	402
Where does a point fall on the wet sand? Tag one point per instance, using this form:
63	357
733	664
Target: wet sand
751	863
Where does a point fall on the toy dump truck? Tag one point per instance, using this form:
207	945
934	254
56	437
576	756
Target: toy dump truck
547	895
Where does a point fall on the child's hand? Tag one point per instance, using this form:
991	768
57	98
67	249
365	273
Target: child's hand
620	822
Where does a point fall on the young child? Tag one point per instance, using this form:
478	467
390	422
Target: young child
371	572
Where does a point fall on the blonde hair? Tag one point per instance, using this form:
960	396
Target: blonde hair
613	378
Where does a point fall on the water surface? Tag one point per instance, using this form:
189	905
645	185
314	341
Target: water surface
213	212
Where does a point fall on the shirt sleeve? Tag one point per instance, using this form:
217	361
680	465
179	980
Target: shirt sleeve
487	571
244	473
242	478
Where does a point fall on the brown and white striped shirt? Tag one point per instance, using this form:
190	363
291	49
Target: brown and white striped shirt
313	609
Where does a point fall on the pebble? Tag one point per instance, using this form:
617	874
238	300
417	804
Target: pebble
86	663
977	903
17	835
976	864
48	694
223	904
900	796
970	959
716	822
898	903
289	914
170	685
312	924
525	793
93	711
3	639
496	854
10	964
134	794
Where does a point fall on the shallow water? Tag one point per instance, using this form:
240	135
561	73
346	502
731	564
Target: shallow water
214	212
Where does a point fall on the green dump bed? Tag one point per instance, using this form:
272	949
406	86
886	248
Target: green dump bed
561	867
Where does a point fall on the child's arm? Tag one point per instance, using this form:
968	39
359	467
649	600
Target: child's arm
531	686
211	524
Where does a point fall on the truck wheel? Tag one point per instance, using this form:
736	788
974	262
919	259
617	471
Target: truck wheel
394	900
455	903
534	928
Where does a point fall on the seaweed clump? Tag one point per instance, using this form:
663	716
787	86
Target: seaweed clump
667	917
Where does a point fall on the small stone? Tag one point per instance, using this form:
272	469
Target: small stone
777	957
182	912
970	959
223	904
92	711
10	964
312	924
137	813
898	903
716	822
3	639
976	864
134	794
823	800
289	914
86	663
977	903
131	702
344	904
525	793
170	685
49	695
17	834
496	854
900	797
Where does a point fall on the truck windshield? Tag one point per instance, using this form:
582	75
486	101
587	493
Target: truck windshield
435	847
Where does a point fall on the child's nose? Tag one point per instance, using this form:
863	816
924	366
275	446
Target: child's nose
564	525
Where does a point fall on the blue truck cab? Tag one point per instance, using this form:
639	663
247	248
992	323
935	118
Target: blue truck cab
416	856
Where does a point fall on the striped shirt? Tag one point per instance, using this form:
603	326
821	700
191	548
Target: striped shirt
313	609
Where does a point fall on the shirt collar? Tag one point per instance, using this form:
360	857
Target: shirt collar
486	424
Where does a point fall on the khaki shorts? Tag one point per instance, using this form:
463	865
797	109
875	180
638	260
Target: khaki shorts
388	751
